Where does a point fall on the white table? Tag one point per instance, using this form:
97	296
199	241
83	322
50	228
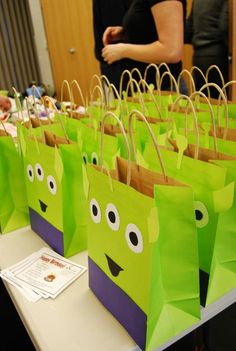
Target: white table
75	320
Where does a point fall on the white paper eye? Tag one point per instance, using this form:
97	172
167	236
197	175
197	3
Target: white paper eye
134	238
95	211
30	173
112	216
85	157
201	214
52	185
94	158
39	172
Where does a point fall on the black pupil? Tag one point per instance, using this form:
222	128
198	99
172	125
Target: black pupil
133	238
84	158
51	184
39	171
30	173
198	215
94	210
112	217
94	161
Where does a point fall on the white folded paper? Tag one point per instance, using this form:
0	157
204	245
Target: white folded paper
42	274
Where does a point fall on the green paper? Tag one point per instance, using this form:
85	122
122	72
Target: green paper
13	200
54	178
182	144
161	270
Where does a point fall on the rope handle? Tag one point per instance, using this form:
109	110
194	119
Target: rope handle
140	115
193	96
66	84
111	114
172	81
49	99
4	128
124	73
223	97
76	84
196	130
112	89
215	67
190	77
18	103
147	88
131	84
152	65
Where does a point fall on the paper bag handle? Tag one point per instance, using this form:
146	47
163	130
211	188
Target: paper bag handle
48	98
172	81
19	112
155	67
131	84
125	72
195	68
111	114
189	103
75	83
200	93
66	84
215	67
4	128
147	88
136	70
223	97
112	89
231	82
190	77
130	117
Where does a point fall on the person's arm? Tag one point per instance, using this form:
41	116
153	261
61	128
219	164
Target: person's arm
168	17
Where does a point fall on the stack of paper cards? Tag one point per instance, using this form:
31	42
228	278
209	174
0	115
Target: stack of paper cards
42	274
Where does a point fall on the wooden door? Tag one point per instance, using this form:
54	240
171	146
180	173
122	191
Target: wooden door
69	31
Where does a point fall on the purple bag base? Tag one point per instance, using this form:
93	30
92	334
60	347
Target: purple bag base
123	308
51	235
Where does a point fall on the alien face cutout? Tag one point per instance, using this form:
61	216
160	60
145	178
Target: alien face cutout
132	235
118	243
44	192
92	158
201	214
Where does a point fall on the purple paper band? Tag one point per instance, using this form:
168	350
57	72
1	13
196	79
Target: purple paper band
47	232
123	308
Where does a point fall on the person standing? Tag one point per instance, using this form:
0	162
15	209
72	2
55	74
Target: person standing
108	13
207	30
152	32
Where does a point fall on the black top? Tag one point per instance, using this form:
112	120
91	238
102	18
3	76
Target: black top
207	25
106	13
139	28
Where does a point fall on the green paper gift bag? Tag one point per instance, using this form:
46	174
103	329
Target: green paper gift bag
53	176
142	247
211	186
223	266
14	212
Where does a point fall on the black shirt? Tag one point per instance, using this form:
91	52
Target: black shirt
139	28
106	13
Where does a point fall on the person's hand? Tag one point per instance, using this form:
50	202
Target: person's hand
5	103
111	35
112	53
